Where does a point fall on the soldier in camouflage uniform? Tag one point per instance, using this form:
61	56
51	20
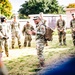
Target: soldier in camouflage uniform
1	36
40	42
61	30
72	25
28	36
5	35
15	32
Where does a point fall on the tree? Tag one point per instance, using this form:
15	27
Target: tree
5	8
37	6
71	5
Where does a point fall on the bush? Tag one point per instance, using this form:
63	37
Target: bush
68	31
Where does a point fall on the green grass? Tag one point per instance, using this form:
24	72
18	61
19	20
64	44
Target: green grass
26	65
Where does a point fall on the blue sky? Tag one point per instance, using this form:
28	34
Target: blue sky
16	4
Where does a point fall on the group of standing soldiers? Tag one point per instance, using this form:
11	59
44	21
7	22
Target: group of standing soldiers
61	30
28	30
6	31
14	30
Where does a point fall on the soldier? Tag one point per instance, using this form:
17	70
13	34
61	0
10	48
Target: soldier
25	32
5	35
72	25
61	30
1	36
15	32
3	70
40	31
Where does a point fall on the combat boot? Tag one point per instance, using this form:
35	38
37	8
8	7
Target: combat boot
60	44
12	46
25	44
7	54
19	46
42	64
29	44
65	44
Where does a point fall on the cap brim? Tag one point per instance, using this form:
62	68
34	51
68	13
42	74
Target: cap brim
34	19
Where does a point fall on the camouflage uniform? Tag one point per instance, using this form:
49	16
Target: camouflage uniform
15	32
61	31
72	25
28	37
1	40
3	31
40	31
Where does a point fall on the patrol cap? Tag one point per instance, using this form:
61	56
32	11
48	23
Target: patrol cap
73	14
36	17
2	19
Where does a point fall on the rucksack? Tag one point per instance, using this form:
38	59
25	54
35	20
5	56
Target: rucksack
48	34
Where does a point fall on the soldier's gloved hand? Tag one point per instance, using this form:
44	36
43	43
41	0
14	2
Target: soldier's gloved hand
4	38
29	32
33	32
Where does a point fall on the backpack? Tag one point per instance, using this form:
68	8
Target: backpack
48	34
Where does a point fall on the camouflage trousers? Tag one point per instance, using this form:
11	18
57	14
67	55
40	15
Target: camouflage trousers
73	37
16	35
40	46
4	46
27	40
62	37
1	46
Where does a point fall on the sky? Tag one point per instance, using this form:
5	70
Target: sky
16	4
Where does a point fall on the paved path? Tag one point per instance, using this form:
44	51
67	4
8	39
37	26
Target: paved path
15	53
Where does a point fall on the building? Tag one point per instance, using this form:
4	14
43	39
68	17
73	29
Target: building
50	18
69	12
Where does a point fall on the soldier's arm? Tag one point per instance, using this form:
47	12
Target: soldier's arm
58	25
32	28
63	24
11	25
19	25
23	30
71	25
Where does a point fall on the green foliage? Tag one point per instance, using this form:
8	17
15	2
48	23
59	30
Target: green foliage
21	16
68	31
72	5
5	8
37	6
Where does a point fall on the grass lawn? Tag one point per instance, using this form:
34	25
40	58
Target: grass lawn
24	61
